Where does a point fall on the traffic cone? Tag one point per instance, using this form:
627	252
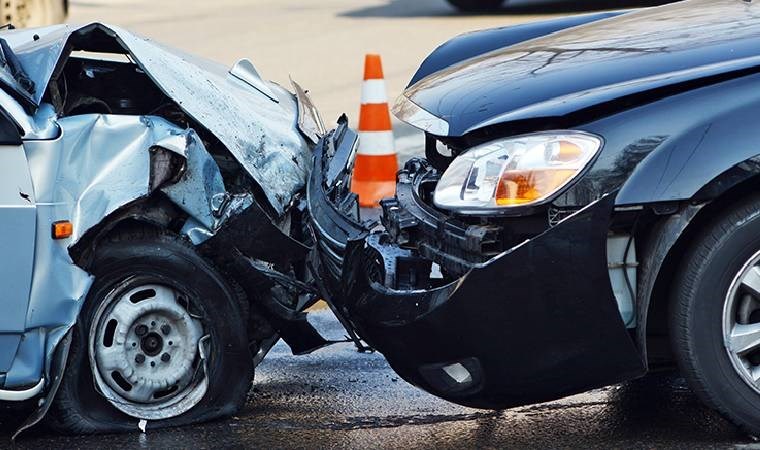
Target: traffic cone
376	166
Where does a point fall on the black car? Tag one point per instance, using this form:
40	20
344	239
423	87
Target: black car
588	210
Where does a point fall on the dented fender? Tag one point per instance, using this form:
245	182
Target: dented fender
259	128
98	165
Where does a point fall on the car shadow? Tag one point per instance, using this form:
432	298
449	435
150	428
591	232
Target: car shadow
440	8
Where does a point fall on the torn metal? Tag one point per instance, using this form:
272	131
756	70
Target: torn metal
104	127
99	164
255	120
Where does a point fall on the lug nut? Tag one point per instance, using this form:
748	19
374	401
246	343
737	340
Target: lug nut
139	358
141	330
166	329
165	357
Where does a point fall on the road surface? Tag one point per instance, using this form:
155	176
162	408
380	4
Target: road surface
338	398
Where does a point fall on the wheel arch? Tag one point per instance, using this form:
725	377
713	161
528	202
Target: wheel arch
152	212
675	233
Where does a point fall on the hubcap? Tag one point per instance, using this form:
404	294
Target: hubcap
741	322
144	350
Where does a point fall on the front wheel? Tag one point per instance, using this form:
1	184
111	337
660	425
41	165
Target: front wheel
715	315
477	5
161	337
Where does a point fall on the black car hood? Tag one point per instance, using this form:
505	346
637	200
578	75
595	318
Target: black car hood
583	66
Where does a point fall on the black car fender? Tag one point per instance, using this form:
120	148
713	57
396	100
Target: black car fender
708	143
670	237
685	156
704	166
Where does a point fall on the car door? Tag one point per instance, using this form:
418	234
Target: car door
17	235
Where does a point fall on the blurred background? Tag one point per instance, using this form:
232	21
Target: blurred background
320	43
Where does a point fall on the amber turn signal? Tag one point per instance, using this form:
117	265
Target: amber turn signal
62	229
527	186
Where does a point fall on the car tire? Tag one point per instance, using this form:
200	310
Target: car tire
710	277
124	263
477	5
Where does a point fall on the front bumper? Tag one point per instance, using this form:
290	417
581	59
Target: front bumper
533	323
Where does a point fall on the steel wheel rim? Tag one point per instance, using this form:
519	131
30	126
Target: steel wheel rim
154	320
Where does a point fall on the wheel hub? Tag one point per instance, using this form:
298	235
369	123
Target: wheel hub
741	322
145	349
152	344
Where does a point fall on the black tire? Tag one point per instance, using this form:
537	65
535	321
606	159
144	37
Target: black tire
147	254
696	313
477	5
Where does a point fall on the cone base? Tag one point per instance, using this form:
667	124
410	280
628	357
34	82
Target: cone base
371	192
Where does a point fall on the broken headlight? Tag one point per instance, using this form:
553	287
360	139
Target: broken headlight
517	171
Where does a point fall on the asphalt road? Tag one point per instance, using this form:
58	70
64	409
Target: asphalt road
338	398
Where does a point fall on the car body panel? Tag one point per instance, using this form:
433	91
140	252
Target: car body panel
99	169
98	164
469	45
17	237
534	331
261	132
552	76
656	153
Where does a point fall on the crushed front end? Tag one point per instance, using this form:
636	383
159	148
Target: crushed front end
488	312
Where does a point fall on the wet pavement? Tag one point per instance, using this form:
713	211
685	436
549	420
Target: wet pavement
339	398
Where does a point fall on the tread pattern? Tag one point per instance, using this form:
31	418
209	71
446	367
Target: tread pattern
682	308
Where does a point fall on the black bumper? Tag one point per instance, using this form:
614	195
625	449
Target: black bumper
532	324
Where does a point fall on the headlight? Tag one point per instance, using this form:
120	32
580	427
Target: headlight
517	171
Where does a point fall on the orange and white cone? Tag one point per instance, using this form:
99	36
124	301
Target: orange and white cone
376	166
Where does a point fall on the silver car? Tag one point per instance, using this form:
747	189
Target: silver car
149	208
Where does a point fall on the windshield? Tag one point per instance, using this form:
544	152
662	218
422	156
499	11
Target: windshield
13	77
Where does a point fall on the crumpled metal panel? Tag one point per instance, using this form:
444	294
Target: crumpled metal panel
99	164
261	134
200	191
104	164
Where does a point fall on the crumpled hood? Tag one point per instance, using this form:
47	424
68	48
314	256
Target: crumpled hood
258	125
583	66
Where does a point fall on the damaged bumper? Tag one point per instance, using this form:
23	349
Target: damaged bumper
532	323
